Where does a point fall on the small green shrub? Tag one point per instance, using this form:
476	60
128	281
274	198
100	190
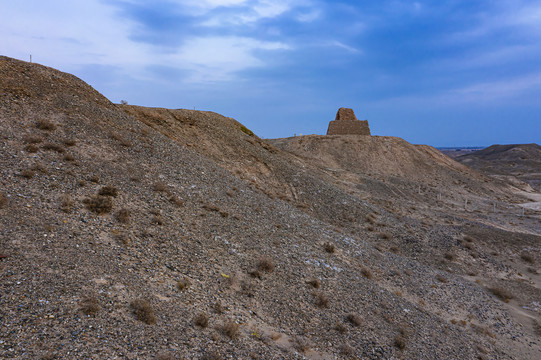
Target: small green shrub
245	130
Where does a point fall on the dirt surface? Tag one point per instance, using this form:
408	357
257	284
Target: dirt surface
137	233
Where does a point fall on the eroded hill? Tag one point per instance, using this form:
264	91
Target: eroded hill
130	232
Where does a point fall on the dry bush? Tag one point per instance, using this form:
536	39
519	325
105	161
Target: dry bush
3	200
123	216
449	256
314	283
532	270
123	238
528	258
340	328
143	311
482	330
366	272
213	355
89	305
165	356
175	200
69	142
31	148
45	125
66	203
95	179
400	342
354	319
301	344
69	157
108	190
99	204
27	173
468	238
230	329
265	264
329	247
469	246
201	320
120	139
384	235
347	350
394	249
182	284
322	300
32	139
219	308
501	293
156	220
442	278
54	147
160	186
371	228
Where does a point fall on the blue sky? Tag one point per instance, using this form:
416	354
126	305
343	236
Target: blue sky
442	73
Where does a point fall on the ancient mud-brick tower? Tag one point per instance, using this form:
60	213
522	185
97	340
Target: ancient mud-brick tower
346	123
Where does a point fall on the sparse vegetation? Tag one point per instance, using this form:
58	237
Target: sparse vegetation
66	203
31	148
32	139
501	293
143	311
329	247
347	350
366	272
70	142
354	319
449	256
300	343
120	139
384	235
123	216
265	264
442	278
99	204
160	186
89	305
401	340
175	200
54	147
182	284
322	300
340	328
3	200
69	157
108	190
314	283
27	173
230	329
45	125
201	320
528	258
245	130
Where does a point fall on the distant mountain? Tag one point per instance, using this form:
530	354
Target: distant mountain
520	160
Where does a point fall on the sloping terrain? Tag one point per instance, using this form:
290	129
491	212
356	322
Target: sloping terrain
137	233
522	161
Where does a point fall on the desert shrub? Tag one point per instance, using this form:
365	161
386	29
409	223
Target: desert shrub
469	246
528	258
384	235
89	305
27	173
347	350
501	293
99	204
468	238
394	249
45	125
54	147
3	200
482	330
366	272
230	329
175	200
123	216
120	139
123	238
69	157
301	344
340	328
143	311
322	300
108	190
265	264
441	278
245	130
69	142
354	319
449	256
201	320
218	307
31	148
213	355
95	179
165	356
400	342
32	139
160	186
314	283
66	203
182	284
371	228
156	220
329	247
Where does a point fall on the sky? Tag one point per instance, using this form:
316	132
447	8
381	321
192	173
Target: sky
436	72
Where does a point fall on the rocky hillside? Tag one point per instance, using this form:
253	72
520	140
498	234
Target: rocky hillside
136	233
522	161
